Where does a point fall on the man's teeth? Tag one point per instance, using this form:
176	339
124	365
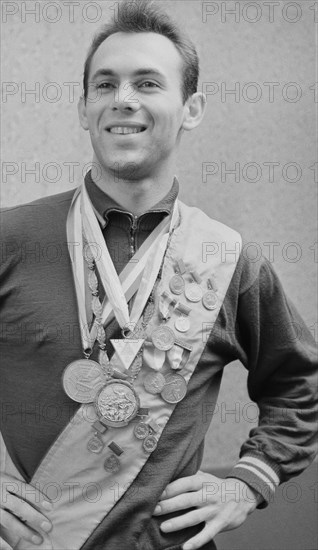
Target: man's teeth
125	130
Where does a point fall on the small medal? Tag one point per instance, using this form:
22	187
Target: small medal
150	443
141	430
210	300
117	403
163	338
82	379
95	444
154	382
112	464
193	292
176	284
175	388
182	323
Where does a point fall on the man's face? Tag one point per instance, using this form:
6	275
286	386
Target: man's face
134	110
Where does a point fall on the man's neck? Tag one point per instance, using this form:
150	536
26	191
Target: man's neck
135	196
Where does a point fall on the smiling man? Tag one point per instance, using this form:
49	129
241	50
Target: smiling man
135	110
155	321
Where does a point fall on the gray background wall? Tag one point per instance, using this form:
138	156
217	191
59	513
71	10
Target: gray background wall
262	123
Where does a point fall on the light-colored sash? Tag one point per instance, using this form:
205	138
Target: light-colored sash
82	491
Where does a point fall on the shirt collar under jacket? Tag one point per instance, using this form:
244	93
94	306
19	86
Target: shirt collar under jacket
103	204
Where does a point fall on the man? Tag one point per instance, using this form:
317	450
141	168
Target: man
145	325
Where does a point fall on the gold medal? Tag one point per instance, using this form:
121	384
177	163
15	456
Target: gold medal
117	403
82	379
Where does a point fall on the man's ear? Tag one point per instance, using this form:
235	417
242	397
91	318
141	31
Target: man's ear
81	107
195	107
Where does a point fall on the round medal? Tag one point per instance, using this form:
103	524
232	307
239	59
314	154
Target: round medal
95	445
193	292
150	443
176	284
182	323
210	299
82	379
154	382
163	338
141	430
117	403
175	388
112	464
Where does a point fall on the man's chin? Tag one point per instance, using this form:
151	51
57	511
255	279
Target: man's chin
129	170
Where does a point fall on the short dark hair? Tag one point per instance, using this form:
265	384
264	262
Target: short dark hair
144	16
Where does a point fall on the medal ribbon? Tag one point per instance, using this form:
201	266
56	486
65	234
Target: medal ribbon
140	273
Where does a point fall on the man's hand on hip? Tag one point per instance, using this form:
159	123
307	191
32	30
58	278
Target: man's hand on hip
223	504
20	517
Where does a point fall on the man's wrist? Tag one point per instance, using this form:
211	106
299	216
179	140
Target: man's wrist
249	495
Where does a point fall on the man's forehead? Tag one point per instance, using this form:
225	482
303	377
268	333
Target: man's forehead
137	51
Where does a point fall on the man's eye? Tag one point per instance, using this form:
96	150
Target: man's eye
104	86
148	84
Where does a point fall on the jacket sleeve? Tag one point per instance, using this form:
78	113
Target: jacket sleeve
281	357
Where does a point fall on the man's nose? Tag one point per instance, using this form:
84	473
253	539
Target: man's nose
125	97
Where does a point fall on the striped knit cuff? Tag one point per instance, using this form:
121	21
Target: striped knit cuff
259	474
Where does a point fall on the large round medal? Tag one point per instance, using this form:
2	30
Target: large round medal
193	292
117	403
175	388
163	338
82	379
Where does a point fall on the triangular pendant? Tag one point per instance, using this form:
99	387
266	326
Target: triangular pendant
127	349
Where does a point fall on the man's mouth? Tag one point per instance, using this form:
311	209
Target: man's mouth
126	130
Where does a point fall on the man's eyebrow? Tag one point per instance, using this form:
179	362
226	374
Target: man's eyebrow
146	71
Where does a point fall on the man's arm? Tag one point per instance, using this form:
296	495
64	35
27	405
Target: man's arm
281	357
273	342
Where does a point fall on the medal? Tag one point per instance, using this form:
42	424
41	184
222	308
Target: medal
193	292
182	324
176	284
82	379
210	299
150	443
163	338
112	464
141	430
154	382
117	403
175	388
127	349
95	444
